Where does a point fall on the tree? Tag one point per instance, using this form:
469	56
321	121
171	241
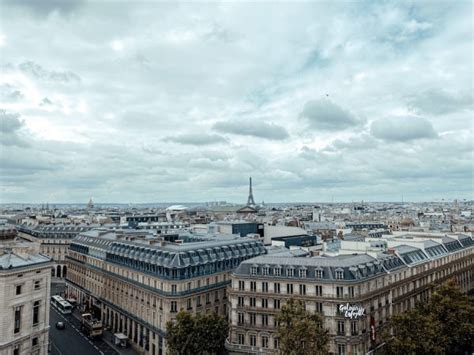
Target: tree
196	334
443	325
301	332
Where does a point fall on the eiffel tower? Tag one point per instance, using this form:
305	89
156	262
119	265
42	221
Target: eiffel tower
250	200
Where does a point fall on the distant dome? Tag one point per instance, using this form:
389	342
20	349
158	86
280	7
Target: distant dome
176	208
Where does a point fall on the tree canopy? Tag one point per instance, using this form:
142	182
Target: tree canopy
300	331
196	334
443	325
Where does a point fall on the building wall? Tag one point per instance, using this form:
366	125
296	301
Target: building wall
380	297
138	304
54	247
9	301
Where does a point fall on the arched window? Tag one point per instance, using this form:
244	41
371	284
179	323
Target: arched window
64	271
53	272
58	271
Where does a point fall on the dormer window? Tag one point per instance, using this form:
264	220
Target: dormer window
318	273
339	275
303	272
265	271
290	272
277	271
254	270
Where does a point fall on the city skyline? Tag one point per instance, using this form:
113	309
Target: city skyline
151	102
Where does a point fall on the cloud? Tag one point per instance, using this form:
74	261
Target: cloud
402	129
325	115
38	72
9	122
45	7
9	93
440	102
10	127
198	139
258	129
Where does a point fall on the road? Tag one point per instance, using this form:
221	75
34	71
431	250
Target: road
71	341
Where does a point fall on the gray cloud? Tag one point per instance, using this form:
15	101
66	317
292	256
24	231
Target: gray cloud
9	122
325	115
402	129
252	128
196	139
439	102
10	93
38	72
10	126
45	7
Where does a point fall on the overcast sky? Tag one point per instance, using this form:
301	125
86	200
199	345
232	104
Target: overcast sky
153	102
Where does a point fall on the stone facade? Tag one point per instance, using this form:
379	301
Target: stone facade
135	282
355	293
25	279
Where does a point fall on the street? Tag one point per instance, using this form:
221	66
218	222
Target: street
71	341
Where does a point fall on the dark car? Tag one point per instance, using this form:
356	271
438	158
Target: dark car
60	325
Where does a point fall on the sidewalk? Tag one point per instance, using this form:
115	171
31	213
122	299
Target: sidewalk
108	338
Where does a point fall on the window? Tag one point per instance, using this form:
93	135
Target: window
207	299
264	341
339	275
264	303
290	272
18	289
276	304
189	304
354	328
253	286
318	273
302	289
241	339
303	272
276	287
189	286
253	270
265	320
173	289
319	290
34	341
319	307
277	271
253	302
174	307
17	319
253	318
339	291
240	301
264	286
265	271
351	291
341	349
37	284
289	289
16	350
253	340
340	327
36	307
276	343
241	318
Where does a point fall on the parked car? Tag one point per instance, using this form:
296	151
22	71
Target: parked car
60	325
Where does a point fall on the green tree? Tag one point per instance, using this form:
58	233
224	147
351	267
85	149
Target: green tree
301	332
443	325
196	334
